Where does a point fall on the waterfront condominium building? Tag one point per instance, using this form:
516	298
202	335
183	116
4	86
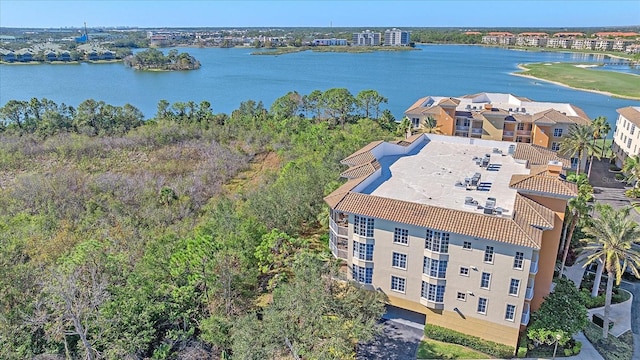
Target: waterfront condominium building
366	38
396	37
498	116
463	232
626	138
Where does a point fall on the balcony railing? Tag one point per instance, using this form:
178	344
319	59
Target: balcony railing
507	134
528	295
524	132
476	131
525	315
534	267
462	128
337	229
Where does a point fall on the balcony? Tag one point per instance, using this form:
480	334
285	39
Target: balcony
508	134
525	315
476	131
524	132
462	128
534	267
340	229
528	295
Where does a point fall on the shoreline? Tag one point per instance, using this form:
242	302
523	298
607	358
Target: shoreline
606	93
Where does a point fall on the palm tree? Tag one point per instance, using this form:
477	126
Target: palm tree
610	239
431	126
404	128
576	142
577	209
598	126
601	129
631	168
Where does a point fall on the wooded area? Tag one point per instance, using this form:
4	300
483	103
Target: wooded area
189	235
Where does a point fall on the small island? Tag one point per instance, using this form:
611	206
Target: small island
154	60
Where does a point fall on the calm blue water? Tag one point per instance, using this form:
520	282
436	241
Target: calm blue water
230	76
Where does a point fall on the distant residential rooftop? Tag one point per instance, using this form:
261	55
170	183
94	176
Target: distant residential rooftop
450	172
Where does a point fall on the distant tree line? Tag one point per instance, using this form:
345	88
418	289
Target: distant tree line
45	117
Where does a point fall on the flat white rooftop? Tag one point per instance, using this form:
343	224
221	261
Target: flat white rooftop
440	173
506	102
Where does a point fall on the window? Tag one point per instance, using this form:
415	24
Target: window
629	143
514	287
557	132
466	245
518	260
363	226
510	313
401	236
433	292
415	123
397	284
520	126
482	305
363	251
399	260
485	280
488	254
461	296
633	129
362	275
555	146
434	268
437	241
464	271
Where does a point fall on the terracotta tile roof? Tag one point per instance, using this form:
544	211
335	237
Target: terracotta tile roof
417	104
337	195
548	185
551	116
361	170
538	155
579	120
449	102
630	113
523	118
362	156
580	112
455	221
535	214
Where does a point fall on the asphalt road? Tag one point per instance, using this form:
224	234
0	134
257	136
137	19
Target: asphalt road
634	288
395	342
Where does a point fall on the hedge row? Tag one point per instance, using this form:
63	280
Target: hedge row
488	347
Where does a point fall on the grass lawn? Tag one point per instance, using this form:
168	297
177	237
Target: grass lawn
618	84
432	349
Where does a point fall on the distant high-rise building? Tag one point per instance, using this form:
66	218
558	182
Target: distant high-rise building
366	38
396	37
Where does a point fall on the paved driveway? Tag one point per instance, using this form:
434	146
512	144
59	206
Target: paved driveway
607	190
396	342
634	288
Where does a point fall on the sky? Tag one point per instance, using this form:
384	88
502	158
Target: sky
303	13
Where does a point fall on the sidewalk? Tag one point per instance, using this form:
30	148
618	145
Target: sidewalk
620	314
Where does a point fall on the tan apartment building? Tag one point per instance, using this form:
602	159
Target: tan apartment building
498	116
626	138
463	232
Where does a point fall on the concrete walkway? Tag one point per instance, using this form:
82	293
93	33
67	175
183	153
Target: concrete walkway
620	314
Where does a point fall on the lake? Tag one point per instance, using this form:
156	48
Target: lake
230	76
